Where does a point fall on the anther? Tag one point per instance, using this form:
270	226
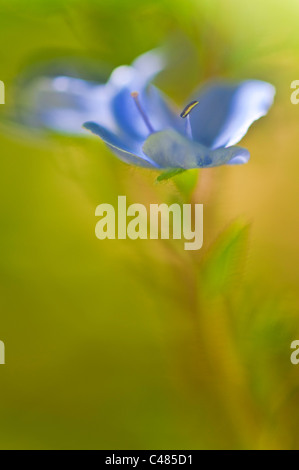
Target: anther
188	109
135	96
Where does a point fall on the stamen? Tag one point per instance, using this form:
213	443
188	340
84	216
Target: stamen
188	109
185	114
188	128
135	95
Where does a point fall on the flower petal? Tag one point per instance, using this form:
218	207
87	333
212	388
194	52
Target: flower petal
226	111
126	79
169	149
54	99
149	64
144	68
125	149
63	103
160	111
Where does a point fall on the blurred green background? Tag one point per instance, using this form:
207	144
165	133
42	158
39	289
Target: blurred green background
139	344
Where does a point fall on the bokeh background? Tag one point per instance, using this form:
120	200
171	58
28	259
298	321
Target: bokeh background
139	344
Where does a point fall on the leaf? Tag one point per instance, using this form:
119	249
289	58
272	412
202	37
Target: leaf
166	175
223	267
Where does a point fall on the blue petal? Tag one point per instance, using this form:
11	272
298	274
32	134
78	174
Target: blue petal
126	79
160	111
149	64
169	149
127	150
141	72
63	103
226	111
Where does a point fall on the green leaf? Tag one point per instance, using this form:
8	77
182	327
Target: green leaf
166	175
223	266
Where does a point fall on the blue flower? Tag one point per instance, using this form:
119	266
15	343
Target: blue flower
151	133
140	124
